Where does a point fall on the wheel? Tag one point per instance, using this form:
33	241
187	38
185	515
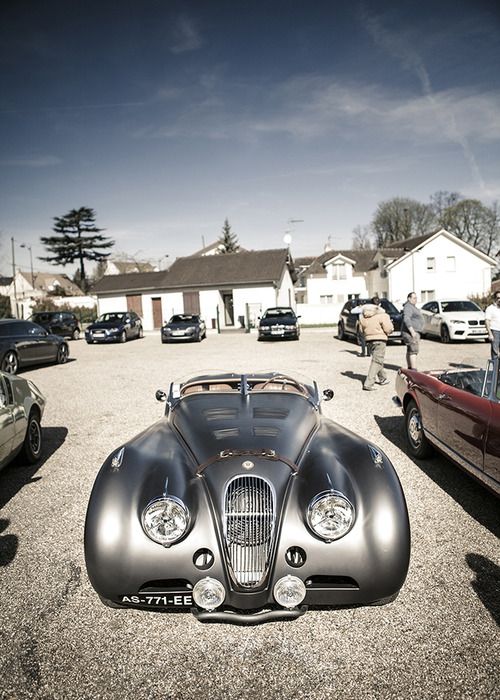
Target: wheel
340	331
198	338
90	342
123	337
10	363
75	335
32	445
141	332
445	334
62	354
418	445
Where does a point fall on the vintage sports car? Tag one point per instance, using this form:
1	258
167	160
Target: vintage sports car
21	410
183	327
114	327
244	504
456	411
23	343
279	323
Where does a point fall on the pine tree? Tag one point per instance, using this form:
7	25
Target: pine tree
77	239
228	240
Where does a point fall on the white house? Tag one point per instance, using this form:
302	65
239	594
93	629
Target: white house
436	265
228	291
27	288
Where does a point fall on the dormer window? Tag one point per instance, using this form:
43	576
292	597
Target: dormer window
338	271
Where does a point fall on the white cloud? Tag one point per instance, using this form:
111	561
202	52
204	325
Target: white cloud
184	36
40	162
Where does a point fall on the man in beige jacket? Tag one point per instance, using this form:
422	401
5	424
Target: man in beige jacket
376	326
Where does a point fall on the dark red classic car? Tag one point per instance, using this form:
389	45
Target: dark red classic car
456	411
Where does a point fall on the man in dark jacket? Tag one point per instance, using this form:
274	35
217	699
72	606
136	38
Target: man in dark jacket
413	325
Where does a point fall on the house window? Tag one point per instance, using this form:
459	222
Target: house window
338	271
427	295
431	264
326	299
450	263
340	298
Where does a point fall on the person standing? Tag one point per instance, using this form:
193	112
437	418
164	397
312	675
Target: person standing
359	331
492	322
376	326
412	327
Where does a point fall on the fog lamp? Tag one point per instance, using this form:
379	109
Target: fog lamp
289	591
208	593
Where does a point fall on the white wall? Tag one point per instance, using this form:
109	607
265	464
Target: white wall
339	289
472	274
107	305
312	314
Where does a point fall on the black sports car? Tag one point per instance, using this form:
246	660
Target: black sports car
184	327
279	323
114	327
244	504
23	343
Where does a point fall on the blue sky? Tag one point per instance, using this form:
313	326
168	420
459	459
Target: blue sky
167	117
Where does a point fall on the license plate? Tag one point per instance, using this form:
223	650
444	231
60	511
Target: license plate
177	332
99	334
160	600
277	331
478	331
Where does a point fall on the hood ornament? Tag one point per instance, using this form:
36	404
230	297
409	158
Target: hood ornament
117	460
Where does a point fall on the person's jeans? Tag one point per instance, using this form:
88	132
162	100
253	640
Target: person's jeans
376	348
495	344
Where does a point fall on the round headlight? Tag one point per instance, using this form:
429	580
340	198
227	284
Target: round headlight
330	515
208	593
289	591
165	520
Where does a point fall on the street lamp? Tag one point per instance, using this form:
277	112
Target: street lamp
25	245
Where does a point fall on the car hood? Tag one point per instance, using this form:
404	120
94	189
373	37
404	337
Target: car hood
464	315
105	324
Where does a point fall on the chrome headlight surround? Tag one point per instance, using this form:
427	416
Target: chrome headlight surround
330	515
165	520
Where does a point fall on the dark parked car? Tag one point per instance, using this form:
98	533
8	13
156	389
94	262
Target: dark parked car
244	504
24	343
184	327
114	327
456	411
21	410
279	322
348	322
58	322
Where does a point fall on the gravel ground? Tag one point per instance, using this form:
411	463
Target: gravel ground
439	639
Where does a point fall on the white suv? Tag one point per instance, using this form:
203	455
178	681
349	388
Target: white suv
454	320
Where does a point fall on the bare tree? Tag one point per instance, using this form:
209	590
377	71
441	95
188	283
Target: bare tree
400	218
475	223
362	238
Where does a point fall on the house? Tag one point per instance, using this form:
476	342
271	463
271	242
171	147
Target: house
435	265
27	288
229	290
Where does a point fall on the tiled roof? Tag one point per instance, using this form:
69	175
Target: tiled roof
362	258
230	269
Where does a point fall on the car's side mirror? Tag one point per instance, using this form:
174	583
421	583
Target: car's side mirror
328	394
160	395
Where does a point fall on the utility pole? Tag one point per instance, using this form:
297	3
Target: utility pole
24	245
14	310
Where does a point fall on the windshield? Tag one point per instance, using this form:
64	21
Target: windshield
111	317
184	318
41	318
454	306
277	313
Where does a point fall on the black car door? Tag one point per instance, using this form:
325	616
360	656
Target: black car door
40	346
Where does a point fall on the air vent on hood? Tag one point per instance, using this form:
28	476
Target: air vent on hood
220	413
272	413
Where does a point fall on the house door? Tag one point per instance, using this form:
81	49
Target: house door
191	302
157	312
134	303
227	300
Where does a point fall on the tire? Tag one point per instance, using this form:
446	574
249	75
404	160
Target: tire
123	337
90	342
340	331
445	334
32	445
418	445
141	332
62	354
10	362
75	335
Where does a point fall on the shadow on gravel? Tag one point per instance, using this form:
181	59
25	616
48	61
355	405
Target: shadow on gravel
486	583
15	476
474	498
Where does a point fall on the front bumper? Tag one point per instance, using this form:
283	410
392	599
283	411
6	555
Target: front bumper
273	333
94	337
464	332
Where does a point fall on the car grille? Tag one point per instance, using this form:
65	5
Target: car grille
476	323
249	519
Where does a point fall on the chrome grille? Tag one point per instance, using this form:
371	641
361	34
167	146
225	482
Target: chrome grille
249	517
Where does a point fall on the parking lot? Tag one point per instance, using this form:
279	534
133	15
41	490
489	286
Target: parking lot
439	639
